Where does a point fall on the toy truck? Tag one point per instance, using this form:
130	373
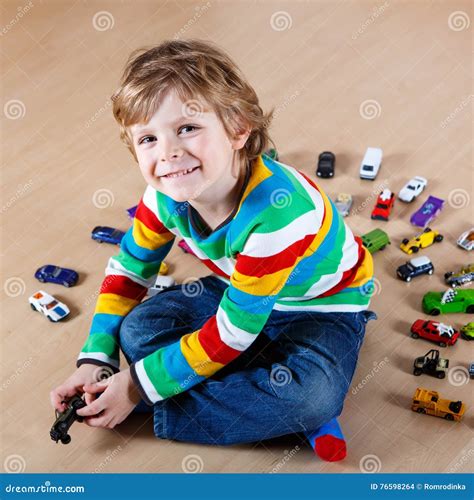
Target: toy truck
431	364
429	402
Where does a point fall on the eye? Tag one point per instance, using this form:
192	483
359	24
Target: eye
145	140
189	128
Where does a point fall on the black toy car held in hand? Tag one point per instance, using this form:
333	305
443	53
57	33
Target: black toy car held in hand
64	420
326	163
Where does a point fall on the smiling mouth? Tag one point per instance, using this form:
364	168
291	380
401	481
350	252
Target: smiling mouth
180	174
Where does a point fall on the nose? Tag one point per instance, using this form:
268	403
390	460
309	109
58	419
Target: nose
169	150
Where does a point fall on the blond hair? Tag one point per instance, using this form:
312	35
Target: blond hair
194	69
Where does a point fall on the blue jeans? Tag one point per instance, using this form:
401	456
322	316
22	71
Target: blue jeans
293	378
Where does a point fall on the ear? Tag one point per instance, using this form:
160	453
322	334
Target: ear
240	138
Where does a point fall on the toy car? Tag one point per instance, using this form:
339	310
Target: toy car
161	283
326	164
422	240
467	331
429	402
451	301
46	304
64	420
132	211
471	370
375	240
415	267
343	203
434	331
464	276
427	212
384	205
431	364
272	153
104	234
164	268
370	165
185	247
466	240
56	274
412	189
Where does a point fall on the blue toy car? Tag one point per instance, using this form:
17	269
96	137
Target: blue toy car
56	274
107	235
415	267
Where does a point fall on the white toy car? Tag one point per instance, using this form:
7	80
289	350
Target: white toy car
343	203
466	240
162	282
412	189
46	304
370	165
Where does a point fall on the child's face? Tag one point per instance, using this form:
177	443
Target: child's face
180	137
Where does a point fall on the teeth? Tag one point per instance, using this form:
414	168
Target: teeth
180	174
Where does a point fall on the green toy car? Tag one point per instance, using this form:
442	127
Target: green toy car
451	301
375	240
467	331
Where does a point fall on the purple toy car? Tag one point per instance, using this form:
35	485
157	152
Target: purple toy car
185	247
428	211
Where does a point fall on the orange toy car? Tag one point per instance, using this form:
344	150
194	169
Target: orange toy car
429	402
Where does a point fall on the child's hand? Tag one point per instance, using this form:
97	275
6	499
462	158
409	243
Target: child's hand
85	374
119	397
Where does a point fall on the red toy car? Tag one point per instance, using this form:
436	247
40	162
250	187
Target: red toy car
436	332
384	205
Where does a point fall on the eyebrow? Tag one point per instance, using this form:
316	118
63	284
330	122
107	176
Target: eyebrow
141	129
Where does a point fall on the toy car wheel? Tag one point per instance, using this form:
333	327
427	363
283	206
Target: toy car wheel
420	410
470	309
414	335
66	439
441	375
41	279
51	319
448	416
414	249
442	344
408	279
427	230
430	271
33	307
66	284
434	312
439	238
405	241
417	372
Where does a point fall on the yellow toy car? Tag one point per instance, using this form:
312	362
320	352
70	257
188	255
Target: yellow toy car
422	240
429	402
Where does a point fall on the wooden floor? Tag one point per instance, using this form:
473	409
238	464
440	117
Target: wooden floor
342	76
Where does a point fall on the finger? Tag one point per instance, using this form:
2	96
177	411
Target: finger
93	409
60	394
102	421
94	388
89	398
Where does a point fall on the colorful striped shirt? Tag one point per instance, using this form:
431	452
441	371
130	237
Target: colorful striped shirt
285	247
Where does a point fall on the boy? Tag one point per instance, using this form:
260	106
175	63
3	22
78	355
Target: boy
268	344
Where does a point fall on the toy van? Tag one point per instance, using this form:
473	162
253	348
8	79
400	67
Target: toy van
369	168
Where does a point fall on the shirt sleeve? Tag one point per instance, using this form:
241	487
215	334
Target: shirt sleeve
263	266
128	276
